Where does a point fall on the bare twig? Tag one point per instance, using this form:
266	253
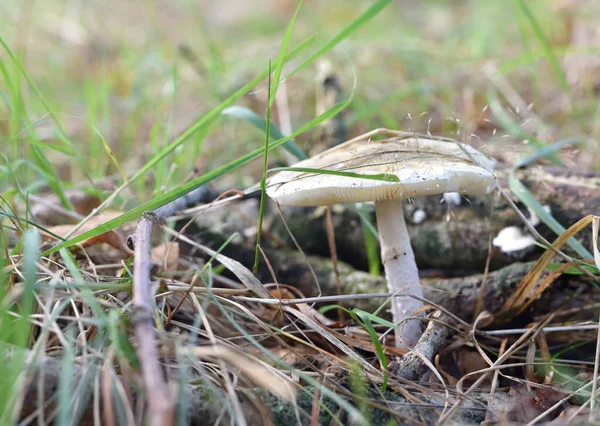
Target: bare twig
160	404
412	366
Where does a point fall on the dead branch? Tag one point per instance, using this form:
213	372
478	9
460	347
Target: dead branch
160	403
412	365
450	237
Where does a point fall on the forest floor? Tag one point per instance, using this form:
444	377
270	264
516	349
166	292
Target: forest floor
145	278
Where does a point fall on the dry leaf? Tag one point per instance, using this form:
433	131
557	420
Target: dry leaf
528	404
468	360
167	256
259	373
113	238
82	202
528	289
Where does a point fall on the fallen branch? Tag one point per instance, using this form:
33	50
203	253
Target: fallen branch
160	402
412	366
450	237
459	295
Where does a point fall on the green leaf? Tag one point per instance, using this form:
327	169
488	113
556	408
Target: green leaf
537	30
530	201
281	59
386	177
365	17
260	123
263	180
378	347
370	235
163	199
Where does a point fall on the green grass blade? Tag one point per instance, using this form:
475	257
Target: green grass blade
163	199
66	383
260	123
530	201
365	17
378	347
537	30
386	177
53	180
16	332
281	59
263	181
110	153
373	257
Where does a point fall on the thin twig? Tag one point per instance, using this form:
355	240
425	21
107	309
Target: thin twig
160	404
495	384
541	239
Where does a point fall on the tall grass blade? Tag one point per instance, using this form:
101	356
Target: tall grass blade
530	201
260	123
15	333
386	177
66	396
263	181
539	34
365	17
281	58
163	199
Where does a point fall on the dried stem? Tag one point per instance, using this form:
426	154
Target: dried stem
160	404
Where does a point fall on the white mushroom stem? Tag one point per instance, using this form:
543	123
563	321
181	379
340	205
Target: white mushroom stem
400	269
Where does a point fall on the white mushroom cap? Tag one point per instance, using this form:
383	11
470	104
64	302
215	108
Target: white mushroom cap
418	165
511	239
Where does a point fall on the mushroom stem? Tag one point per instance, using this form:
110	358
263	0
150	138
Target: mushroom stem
401	270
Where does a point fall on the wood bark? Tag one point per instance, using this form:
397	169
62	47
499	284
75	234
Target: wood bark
412	366
314	275
452	238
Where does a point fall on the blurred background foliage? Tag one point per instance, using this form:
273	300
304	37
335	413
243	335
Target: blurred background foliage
132	75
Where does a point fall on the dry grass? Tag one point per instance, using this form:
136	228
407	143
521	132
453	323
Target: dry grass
116	83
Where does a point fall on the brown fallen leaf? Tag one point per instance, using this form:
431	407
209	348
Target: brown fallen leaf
113	238
528	404
48	210
467	360
167	256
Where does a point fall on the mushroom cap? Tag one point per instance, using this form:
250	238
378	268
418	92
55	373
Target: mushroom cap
414	165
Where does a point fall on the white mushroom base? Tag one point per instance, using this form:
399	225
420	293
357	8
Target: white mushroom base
400	269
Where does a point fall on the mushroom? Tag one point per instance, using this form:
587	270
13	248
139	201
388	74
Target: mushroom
386	172
511	239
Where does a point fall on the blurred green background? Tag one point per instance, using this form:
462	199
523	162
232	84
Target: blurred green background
508	76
